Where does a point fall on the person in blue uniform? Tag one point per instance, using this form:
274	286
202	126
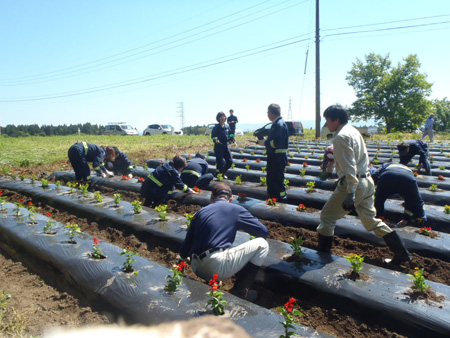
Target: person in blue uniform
220	136
232	120
195	174
276	148
407	150
211	235
118	162
83	152
159	185
392	178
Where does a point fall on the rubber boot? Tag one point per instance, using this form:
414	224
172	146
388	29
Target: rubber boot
396	245
244	279
325	243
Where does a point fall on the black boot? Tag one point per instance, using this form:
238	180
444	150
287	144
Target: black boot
396	245
244	279
325	243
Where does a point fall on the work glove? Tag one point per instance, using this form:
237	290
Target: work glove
109	173
260	142
130	175
349	202
102	174
190	191
403	222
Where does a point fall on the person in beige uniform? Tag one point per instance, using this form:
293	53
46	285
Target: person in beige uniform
355	188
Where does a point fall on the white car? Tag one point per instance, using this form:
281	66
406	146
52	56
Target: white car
158	129
120	128
209	128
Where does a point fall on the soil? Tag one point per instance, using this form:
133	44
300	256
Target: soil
340	323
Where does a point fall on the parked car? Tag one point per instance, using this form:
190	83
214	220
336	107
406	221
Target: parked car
209	128
158	129
120	128
294	127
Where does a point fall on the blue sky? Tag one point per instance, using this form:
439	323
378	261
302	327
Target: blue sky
134	61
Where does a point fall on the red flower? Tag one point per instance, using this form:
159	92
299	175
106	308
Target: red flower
305	164
49	214
1	192
181	266
128	247
30	203
258	160
290	304
274	199
244	160
21	200
23	171
213	283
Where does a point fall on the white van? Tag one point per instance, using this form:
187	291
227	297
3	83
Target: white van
120	128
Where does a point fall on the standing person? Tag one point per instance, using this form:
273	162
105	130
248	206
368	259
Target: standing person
276	148
355	188
393	178
118	162
428	130
232	120
195	174
83	152
158	186
221	135
407	150
210	237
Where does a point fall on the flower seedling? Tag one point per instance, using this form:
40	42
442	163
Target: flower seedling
296	246
356	262
286	182
73	228
31	212
22	175
197	189
252	153
263	180
217	302
258	160
220	177
18	206
447	155
305	164
244	160
49	225
72	186
117	198
306	157
419	280
162	210
44	183
134	164
447	209
141	179
58	184
96	251
189	218
247	167
288	312
137	206
415	173
263	169
33	177
84	189
176	279
301	207
233	165
433	187
145	166
441	178
302	173
271	201
242	197
441	167
431	158
238	179
375	161
425	231
63	166
291	155
128	252
310	186
241	151
2	201
98	197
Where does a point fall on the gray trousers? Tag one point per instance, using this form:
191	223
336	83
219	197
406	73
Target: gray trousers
364	205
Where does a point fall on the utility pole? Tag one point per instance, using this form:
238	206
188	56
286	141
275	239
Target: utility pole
317	71
290	110
181	114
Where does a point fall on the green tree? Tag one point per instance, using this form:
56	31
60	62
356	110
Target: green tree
393	96
441	108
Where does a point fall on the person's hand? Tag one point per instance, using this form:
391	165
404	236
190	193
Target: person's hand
109	173
349	202
103	175
260	142
217	141
403	222
190	191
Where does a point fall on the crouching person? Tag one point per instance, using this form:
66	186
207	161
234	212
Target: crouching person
210	237
83	152
159	185
118	162
195	174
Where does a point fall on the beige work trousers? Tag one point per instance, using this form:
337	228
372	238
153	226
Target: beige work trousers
364	205
228	262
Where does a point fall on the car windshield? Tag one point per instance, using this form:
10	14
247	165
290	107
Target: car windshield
127	126
167	126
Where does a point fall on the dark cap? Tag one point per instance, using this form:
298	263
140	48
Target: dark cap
221	190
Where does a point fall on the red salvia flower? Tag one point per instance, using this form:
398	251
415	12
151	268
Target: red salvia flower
49	214
21	200
290	304
30	203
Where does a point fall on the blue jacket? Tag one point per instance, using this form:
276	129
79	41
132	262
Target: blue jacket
168	176
221	133
196	165
122	163
278	139
215	226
